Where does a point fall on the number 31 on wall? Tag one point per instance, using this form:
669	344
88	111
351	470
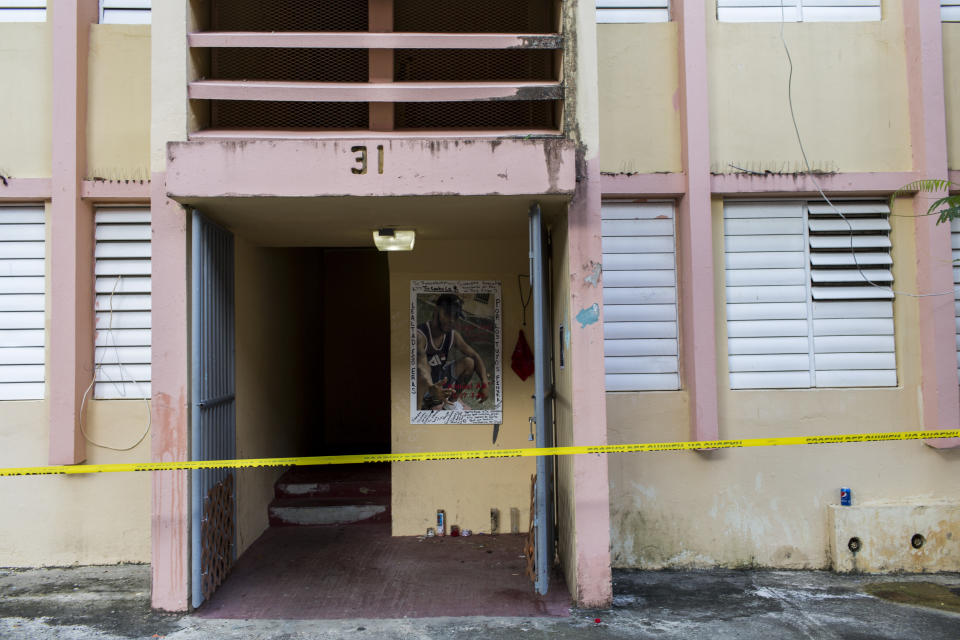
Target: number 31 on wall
361	159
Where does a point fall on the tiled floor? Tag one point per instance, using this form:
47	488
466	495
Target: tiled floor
360	571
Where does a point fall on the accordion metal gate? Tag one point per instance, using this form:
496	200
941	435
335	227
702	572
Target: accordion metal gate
213	415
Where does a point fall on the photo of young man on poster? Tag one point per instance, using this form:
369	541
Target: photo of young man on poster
455	357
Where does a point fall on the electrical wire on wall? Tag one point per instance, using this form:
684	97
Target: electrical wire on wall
806	164
98	369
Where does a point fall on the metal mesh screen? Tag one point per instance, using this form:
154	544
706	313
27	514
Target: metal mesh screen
490	16
289	15
508	114
459	65
314	65
253	114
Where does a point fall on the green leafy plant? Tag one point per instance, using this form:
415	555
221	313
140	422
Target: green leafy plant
945	208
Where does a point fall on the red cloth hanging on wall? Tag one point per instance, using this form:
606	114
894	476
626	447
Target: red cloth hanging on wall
522	360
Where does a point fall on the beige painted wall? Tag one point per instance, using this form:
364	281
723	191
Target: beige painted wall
639	103
768	506
78	519
118	97
270	404
951	73
468	489
849	93
172	114
25	109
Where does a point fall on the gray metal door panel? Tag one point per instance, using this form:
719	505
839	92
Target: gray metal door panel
543	518
213	384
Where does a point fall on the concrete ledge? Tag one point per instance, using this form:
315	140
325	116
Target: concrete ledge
885	533
365	167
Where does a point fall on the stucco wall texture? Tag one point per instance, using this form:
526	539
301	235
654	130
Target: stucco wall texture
75	519
639	102
269	364
951	71
118	98
466	489
849	94
81	519
769	506
25	111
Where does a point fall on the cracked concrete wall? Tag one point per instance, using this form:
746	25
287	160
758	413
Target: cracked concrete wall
849	92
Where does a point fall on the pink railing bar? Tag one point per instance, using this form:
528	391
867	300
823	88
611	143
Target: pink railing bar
355	40
373	92
364	134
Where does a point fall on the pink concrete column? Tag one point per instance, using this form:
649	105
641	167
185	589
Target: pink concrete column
939	393
170	515
589	409
694	230
71	233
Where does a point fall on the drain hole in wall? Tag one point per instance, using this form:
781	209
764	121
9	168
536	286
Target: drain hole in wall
917	541
854	544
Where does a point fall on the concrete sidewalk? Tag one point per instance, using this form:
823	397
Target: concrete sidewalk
112	603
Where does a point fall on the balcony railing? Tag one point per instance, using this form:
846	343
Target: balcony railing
313	66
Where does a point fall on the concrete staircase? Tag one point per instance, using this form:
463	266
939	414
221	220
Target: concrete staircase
332	495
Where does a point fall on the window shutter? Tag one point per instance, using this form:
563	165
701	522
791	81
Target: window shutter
797	10
612	11
23	10
639	297
852	318
758	11
22	303
955	243
125	11
767	328
122	269
950	10
841	10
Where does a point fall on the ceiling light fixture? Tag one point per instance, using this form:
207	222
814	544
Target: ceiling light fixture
394	239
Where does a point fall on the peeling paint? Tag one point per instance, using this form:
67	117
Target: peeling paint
589	315
595	269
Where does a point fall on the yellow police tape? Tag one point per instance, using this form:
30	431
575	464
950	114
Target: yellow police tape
479	454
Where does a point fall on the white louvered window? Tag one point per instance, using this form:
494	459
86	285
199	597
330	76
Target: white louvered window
798	10
809	301
22	309
639	297
614	11
122	269
23	10
955	243
125	11
950	10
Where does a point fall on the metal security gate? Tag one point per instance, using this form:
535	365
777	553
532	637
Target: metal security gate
213	418
543	517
